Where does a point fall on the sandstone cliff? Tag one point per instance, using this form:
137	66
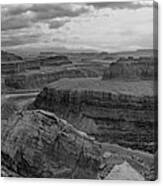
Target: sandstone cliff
117	117
6	56
132	69
41	79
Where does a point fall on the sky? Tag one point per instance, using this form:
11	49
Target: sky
105	26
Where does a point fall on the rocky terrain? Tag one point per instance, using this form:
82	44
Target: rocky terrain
40	79
95	117
55	60
39	71
144	68
7	56
116	112
50	148
39	144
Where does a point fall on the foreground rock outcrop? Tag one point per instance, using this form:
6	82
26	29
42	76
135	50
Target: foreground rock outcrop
38	144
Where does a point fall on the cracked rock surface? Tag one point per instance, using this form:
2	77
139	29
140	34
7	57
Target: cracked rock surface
38	144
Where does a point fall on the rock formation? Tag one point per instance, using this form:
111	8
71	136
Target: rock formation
143	68
41	79
6	56
117	117
13	67
124	171
37	143
55	61
96	128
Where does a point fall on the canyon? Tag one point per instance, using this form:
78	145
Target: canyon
38	72
82	116
123	116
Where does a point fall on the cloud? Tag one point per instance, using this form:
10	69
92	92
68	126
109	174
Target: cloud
12	10
15	23
105	26
20	16
122	5
48	11
122	30
57	24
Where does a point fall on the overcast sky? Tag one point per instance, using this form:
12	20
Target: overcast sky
112	26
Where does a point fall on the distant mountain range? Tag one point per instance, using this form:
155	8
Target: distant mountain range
33	52
136	53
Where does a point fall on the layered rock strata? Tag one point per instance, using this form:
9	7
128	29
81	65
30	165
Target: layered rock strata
131	68
125	119
39	79
7	56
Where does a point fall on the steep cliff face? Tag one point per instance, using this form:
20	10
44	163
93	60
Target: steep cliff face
121	118
6	56
41	79
128	69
